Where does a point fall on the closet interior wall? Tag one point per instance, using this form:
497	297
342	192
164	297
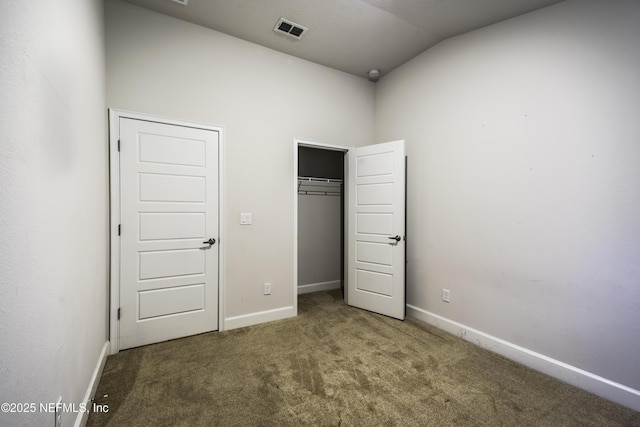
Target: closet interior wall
320	219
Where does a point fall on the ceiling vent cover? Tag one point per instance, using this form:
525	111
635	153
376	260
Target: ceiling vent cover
289	28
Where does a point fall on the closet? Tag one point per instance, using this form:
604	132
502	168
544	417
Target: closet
320	219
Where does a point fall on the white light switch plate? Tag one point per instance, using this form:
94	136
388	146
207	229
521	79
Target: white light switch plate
246	218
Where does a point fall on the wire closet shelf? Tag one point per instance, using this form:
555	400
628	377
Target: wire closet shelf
312	186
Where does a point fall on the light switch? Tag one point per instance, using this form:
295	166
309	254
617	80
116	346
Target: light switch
246	219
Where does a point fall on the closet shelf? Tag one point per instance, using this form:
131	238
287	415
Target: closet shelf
313	186
314	179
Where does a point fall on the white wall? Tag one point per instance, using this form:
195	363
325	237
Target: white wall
319	239
524	181
53	204
264	99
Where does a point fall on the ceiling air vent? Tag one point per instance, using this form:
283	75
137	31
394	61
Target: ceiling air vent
291	29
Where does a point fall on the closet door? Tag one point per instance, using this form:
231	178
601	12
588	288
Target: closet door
376	229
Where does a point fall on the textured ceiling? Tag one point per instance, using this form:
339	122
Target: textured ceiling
348	35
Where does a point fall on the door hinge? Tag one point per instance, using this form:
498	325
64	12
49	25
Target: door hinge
119	229
118	313
118	145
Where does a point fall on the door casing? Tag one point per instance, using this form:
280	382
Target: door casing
114	198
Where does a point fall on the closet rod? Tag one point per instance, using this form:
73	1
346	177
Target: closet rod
319	193
314	179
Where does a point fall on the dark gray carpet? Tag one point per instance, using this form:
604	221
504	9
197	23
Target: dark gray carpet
336	365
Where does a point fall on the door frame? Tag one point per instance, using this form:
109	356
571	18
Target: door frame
114	215
300	142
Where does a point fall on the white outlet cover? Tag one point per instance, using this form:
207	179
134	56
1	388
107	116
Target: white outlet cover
246	218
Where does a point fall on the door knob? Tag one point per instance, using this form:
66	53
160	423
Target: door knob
396	238
211	241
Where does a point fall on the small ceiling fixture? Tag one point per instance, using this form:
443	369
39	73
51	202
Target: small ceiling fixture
182	2
374	74
290	28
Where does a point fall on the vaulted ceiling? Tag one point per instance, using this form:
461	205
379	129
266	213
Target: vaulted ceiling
349	35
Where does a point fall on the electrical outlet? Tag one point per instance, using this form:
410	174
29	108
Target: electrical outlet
58	413
445	295
267	288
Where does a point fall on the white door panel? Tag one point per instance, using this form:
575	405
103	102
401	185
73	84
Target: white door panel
374	164
372	282
375	194
171	188
174	300
169	207
374	253
171	150
371	223
171	226
376	258
164	264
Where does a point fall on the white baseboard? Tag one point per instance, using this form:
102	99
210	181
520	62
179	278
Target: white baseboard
580	378
317	287
81	419
259	317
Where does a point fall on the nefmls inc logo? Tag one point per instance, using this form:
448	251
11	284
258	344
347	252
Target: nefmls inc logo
63	407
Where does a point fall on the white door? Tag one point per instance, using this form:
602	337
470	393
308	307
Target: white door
169	211
376	229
